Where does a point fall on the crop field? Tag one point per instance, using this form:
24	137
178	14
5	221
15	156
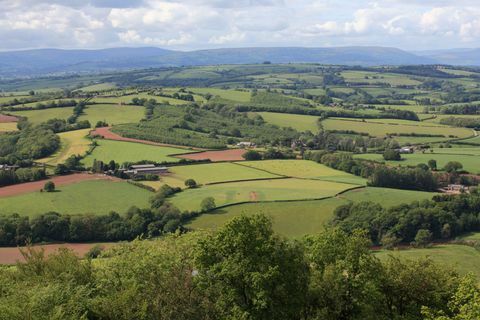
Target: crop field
211	173
471	163
72	143
255	191
121	151
291	219
8	126
304	169
39	116
382	127
93	197
462	258
295	121
112	114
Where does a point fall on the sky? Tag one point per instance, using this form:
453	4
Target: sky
202	24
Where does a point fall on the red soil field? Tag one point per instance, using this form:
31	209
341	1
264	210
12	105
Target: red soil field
5	118
216	156
11	255
21	188
109	135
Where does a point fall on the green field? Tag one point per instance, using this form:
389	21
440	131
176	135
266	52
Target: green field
382	127
471	163
99	87
39	116
375	77
8	126
291	219
209	173
464	259
95	197
121	151
72	143
126	99
263	190
295	121
386	197
234	95
304	169
112	114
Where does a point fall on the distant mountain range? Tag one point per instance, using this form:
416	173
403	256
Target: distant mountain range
54	61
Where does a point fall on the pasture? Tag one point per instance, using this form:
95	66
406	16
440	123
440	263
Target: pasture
295	121
304	169
258	191
121	151
86	197
210	173
385	196
39	116
290	219
126	99
462	258
112	114
376	78
233	95
383	127
72	143
471	163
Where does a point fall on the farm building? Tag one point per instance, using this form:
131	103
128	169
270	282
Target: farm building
246	144
142	169
406	150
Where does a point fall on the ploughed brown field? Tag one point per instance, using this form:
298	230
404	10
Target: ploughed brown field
11	255
6	119
28	187
216	156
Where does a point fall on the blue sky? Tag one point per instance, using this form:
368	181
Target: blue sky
200	24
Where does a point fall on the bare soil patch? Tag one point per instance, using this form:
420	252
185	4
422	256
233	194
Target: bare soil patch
6	119
58	180
109	135
12	255
216	156
253	196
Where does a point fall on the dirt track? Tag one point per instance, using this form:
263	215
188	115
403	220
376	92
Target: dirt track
28	187
109	135
215	156
11	255
6	119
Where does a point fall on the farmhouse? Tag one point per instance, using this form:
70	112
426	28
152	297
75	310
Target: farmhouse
405	150
246	144
6	167
142	169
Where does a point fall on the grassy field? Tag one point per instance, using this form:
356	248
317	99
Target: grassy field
234	95
99	87
72	143
305	169
471	163
475	236
128	99
382	127
295	121
121	151
291	219
374	77
464	259
8	126
253	191
95	197
39	116
386	197
209	173
112	114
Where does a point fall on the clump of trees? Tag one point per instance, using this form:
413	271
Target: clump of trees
242	271
20	175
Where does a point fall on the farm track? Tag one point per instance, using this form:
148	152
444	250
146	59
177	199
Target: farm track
28	187
109	135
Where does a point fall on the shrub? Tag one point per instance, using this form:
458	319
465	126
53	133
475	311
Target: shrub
49	186
190	183
392	155
208	204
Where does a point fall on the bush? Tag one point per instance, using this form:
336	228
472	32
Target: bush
392	155
49	186
423	238
208	204
190	183
252	155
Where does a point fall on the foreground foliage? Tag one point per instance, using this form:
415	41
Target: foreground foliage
244	271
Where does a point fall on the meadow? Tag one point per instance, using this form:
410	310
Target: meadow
385	197
72	143
209	173
112	114
464	259
471	163
39	116
261	190
304	169
295	121
127	99
233	95
121	151
86	197
375	77
8	126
